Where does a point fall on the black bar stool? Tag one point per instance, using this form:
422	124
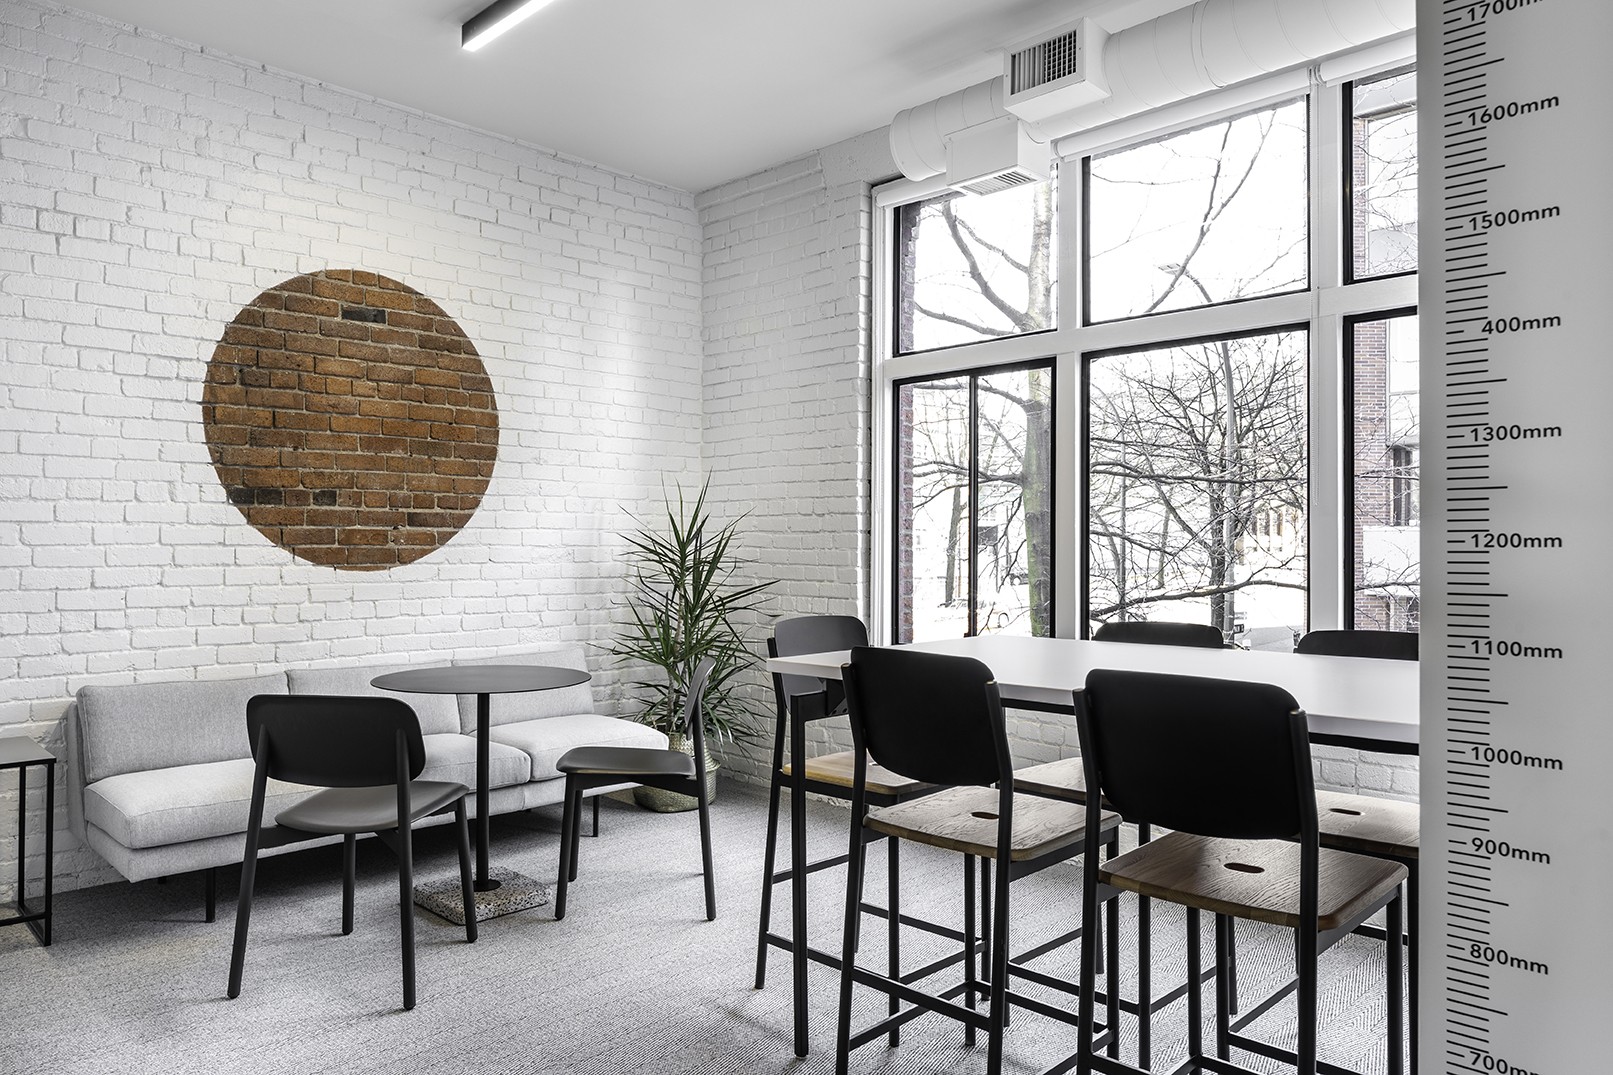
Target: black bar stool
1226	766
800	701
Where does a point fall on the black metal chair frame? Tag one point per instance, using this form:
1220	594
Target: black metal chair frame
794	713
332	741
1161	633
1310	942
588	768
1391	646
995	984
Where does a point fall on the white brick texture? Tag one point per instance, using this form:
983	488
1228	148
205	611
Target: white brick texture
148	190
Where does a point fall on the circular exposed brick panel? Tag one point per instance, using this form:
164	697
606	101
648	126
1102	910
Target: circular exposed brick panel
350	420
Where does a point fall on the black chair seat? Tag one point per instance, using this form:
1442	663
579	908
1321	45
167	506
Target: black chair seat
628	761
337	810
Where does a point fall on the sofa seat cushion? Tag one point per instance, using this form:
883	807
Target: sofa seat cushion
184	802
453	758
544	741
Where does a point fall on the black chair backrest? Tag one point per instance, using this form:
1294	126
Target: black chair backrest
332	741
1214	757
1160	633
1389	645
814	634
693	719
928	716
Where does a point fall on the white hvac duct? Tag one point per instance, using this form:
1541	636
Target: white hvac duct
1192	51
919	134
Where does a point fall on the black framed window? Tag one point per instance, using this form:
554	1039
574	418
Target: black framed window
974	504
973	267
1381	176
1203	217
1383	570
1198	485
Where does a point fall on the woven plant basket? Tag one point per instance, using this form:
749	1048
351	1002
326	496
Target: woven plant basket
671	802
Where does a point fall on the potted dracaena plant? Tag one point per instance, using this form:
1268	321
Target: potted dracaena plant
685	603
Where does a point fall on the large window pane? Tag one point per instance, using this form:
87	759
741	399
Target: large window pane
1383	176
1013	525
973	267
932	510
1385	474
1197	486
974	505
1205	216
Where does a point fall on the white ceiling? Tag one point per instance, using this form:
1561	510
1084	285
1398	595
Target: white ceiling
689	93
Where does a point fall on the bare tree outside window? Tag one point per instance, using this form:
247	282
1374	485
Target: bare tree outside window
1197	486
974	454
1383	175
1197	482
1384	473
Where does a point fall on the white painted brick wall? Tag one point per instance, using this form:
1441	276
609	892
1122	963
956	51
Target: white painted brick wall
148	190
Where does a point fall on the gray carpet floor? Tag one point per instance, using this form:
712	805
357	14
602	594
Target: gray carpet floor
633	980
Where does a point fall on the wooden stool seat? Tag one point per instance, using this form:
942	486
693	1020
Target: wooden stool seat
1369	825
965	819
1255	879
1065	779
836	770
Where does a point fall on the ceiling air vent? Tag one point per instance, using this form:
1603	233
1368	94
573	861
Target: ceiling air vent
991	184
1044	62
1056	73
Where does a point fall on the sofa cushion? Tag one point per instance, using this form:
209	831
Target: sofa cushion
437	712
547	739
150	726
453	757
182	802
533	705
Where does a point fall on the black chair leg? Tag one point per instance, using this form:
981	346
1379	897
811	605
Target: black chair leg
1396	999
406	909
705	854
848	950
798	882
893	925
594	832
1145	969
576	833
462	829
211	885
1305	953
243	913
568	819
769	855
999	975
1411	943
1232	964
1195	986
1223	980
1111	928
970	949
349	872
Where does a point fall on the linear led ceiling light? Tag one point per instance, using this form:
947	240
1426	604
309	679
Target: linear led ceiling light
493	20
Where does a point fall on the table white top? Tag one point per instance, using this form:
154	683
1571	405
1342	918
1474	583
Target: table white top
1352	701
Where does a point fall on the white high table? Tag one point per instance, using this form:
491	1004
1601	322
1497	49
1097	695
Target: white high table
1348	701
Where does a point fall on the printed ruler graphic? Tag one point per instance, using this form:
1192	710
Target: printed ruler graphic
1516	221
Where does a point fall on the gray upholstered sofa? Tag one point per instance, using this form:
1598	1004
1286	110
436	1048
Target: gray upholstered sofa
160	774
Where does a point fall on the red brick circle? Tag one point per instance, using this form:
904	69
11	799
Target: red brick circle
350	420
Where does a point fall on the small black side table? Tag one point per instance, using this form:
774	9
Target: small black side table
17	752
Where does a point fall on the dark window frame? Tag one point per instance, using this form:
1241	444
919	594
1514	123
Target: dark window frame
1347	460
972	375
1084	536
1085	257
1347	251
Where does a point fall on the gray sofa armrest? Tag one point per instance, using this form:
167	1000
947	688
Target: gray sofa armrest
74	764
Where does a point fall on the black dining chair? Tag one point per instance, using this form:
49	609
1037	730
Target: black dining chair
1226	766
1386	645
939	719
1367	824
587	768
1160	633
800	701
367	754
